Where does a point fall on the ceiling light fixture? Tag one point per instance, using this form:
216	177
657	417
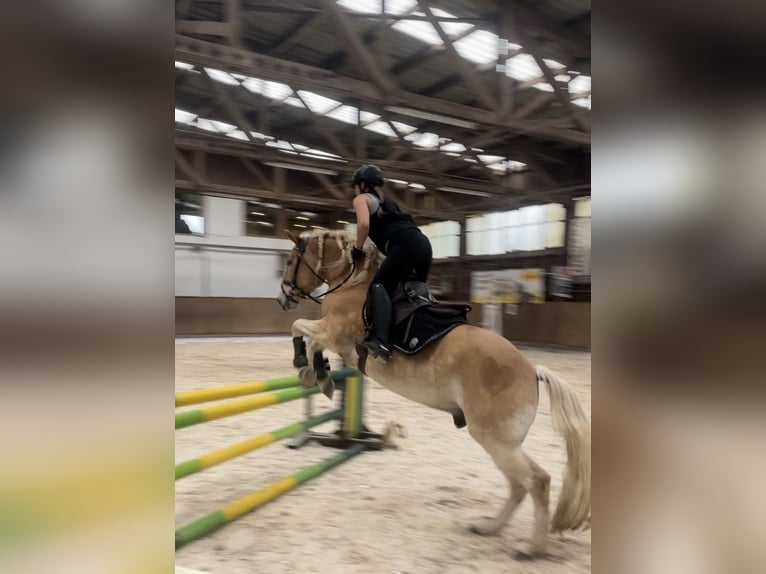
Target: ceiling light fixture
432	117
465	191
296	167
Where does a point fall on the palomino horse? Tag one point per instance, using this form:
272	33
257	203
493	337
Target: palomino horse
470	372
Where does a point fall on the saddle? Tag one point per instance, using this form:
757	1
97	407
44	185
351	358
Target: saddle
419	319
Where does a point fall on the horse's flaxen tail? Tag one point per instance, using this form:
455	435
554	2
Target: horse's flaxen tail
569	419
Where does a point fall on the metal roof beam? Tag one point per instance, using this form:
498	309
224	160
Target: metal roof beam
299	32
366	62
425	53
297	75
560	89
570	42
468	75
261	152
205	28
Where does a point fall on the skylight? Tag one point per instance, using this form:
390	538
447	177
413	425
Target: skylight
450	28
579	85
223	77
426	140
553	64
273	90
320	105
316	103
238	134
453	147
281	144
490	159
419	29
373	6
479	46
293	101
364	6
582	102
522	67
368	118
184	117
405	129
381	128
229	130
347	114
214	126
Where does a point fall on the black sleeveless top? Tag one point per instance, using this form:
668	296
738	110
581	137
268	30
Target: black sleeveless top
389	221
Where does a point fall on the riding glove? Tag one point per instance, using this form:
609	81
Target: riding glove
357	254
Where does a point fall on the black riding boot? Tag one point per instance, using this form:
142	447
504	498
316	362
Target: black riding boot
380	304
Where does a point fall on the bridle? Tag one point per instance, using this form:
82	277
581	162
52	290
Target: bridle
295	290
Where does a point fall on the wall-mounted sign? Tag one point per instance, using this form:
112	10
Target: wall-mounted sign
508	286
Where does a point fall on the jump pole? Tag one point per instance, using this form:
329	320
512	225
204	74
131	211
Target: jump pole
217	457
205	414
352	435
215	520
238	390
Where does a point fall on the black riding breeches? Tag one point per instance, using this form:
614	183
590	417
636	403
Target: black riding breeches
409	255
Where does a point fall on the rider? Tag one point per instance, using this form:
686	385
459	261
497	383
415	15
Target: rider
408	252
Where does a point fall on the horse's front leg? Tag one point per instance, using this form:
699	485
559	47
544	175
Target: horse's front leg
299	352
316	331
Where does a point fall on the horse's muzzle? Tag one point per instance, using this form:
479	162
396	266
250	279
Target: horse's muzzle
286	301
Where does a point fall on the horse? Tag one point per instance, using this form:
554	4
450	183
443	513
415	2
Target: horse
472	373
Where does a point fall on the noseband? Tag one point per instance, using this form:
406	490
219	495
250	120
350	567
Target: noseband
295	290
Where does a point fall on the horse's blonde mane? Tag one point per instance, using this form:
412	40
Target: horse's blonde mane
345	241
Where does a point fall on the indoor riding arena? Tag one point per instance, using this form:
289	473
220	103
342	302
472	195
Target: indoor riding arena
478	115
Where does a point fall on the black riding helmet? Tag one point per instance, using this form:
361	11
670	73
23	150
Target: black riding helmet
368	174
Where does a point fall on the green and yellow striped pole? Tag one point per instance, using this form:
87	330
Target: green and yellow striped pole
352	404
210	413
211	459
215	520
238	390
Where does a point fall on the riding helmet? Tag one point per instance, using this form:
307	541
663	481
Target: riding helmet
369	174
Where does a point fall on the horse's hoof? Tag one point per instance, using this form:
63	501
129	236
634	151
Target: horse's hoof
533	553
308	377
327	386
522	556
486	527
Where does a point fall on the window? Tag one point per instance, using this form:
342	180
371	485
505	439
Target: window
263	220
189	217
260	220
531	228
444	237
579	237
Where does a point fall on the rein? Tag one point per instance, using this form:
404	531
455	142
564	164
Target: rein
296	290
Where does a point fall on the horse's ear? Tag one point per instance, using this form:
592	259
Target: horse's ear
291	236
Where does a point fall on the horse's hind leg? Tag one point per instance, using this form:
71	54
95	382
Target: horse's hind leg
490	526
523	475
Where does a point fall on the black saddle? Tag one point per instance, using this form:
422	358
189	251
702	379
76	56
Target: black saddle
419	319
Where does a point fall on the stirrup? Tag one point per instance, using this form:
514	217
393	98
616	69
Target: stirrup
378	349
